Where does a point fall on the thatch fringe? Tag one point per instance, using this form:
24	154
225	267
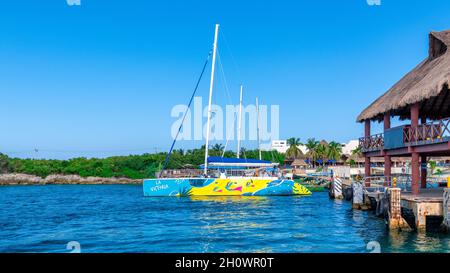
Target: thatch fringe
427	80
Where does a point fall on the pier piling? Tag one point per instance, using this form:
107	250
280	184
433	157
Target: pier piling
337	188
446	209
358	195
395	219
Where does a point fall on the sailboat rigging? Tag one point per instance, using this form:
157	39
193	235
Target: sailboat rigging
255	177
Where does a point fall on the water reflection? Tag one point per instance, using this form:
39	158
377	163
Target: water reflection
228	199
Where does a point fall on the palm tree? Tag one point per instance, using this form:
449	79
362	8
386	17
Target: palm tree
334	150
218	148
293	151
432	166
322	151
357	151
242	152
311	145
278	157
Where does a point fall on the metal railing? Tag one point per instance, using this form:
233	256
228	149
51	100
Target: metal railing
404	182
381	183
180	173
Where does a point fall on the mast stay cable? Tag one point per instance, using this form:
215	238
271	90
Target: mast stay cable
186	112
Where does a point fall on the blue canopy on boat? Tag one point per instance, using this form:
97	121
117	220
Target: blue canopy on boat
218	159
216	162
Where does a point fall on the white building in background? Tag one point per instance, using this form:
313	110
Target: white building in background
281	146
347	148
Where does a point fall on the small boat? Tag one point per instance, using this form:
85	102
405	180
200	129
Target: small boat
313	184
226	176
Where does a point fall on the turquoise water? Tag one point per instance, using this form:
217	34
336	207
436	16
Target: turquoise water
118	218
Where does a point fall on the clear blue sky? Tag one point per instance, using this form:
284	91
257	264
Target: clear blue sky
101	79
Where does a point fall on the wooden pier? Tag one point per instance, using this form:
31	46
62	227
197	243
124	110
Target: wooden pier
423	97
429	203
404	210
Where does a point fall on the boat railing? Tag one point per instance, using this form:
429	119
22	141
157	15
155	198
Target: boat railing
179	173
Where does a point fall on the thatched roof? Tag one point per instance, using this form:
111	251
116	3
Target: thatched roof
299	163
323	142
428	84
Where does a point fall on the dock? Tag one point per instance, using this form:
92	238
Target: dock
401	208
421	101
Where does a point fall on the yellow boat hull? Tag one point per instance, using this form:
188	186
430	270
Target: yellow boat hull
241	186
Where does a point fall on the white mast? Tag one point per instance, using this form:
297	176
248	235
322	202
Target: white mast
239	126
211	84
257	128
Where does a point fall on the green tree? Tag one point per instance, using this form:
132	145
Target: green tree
357	151
322	151
334	150
433	166
311	145
5	164
217	149
293	151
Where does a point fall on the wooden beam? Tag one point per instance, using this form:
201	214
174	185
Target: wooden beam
367	128
373	154
387	121
415	114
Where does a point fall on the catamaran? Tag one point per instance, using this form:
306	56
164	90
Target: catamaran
225	176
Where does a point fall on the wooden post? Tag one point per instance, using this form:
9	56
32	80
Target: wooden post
415	168
387	121
387	159
415	114
395	220
367	159
415	173
423	171
367	171
367	128
387	169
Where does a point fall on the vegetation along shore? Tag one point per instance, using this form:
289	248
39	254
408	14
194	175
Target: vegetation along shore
133	168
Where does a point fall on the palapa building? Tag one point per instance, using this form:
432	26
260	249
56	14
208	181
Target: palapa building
422	97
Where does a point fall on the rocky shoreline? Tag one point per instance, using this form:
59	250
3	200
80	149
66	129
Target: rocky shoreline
56	179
